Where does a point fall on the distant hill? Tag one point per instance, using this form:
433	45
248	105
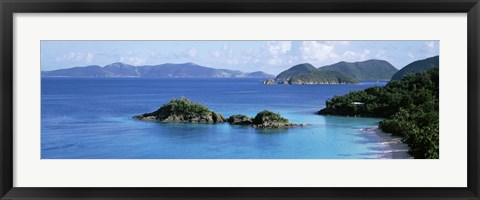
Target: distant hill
92	70
322	77
366	70
120	70
259	74
296	70
168	70
307	74
417	67
346	72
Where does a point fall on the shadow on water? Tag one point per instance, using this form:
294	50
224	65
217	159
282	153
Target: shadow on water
307	112
345	154
271	130
58	147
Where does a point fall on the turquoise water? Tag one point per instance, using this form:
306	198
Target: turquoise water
91	118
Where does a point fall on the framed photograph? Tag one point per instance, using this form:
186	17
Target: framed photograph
239	100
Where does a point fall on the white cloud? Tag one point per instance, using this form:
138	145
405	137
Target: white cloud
430	44
89	57
381	54
318	51
276	52
226	52
229	55
410	55
192	52
251	57
132	59
271	55
344	42
278	47
215	54
187	53
356	56
76	57
432	48
281	54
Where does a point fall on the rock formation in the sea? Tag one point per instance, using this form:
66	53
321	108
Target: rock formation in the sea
269	82
264	119
268	119
240	120
184	111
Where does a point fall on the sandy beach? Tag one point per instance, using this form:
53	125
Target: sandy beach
392	146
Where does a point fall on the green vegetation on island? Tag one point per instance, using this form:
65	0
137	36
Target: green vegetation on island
240	119
183	110
264	119
296	70
322	77
417	66
410	106
267	116
365	70
306	74
338	73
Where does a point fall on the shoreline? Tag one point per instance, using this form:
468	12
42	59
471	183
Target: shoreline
393	147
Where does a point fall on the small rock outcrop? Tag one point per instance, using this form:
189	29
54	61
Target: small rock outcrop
264	119
268	119
269	82
240	120
184	111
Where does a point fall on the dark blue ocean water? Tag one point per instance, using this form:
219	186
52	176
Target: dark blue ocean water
91	118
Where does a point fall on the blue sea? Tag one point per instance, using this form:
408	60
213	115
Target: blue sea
91	118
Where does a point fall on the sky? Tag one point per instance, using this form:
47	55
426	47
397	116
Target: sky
269	56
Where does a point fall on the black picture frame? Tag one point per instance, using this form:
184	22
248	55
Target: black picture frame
10	7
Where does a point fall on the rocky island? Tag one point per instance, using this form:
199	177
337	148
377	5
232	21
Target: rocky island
240	120
183	110
264	119
269	81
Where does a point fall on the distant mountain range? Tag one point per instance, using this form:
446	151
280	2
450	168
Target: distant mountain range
168	70
341	72
417	67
